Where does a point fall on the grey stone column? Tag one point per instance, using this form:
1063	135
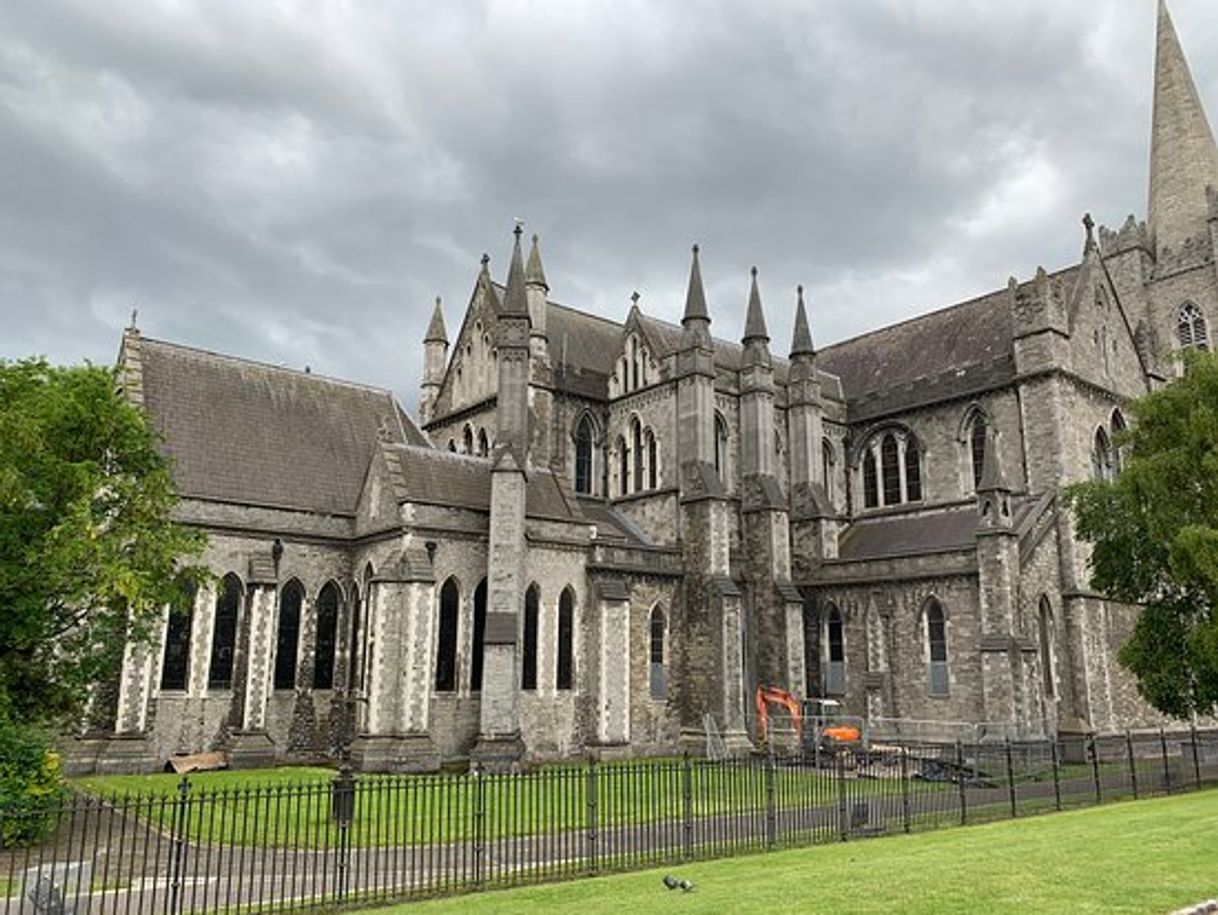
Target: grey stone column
613	665
250	746
400	612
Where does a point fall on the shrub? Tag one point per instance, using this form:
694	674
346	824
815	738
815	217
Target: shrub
31	785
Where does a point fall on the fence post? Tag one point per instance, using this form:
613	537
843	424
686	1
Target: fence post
1166	767
591	814
904	789
1196	758
342	810
960	782
479	822
771	811
1095	766
687	808
843	824
1133	769
1010	777
1057	776
178	864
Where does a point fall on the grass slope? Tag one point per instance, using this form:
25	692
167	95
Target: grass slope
1149	856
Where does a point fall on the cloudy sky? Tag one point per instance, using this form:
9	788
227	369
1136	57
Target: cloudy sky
296	180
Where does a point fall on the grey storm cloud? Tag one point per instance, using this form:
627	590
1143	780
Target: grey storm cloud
296	181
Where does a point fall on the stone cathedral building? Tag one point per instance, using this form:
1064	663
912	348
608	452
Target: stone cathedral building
597	533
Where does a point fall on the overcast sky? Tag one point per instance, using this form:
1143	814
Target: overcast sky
296	181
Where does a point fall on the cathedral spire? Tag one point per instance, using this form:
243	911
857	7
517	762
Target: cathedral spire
515	301
695	298
1183	157
801	344
754	322
436	332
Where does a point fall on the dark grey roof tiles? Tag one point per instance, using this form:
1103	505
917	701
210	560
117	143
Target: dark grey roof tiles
437	477
246	432
891	536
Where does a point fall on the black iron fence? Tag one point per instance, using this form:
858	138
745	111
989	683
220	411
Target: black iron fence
300	845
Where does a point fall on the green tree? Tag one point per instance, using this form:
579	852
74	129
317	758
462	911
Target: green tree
89	552
1155	536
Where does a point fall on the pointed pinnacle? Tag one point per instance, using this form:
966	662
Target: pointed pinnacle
515	302
695	298
992	479
754	322
534	275
801	343
436	332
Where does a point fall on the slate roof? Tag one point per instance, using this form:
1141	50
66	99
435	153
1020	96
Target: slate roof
247	432
955	528
435	476
947	352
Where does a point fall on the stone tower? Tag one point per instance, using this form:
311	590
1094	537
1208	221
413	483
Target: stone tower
711	681
774	627
435	359
499	745
1007	655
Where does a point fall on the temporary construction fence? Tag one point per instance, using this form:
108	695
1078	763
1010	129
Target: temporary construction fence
358	839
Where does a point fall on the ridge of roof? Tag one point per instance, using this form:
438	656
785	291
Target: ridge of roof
258	363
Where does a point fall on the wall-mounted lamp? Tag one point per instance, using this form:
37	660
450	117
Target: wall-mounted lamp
431	551
277	552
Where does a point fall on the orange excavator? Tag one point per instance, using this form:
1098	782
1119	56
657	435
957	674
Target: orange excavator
768	694
833	736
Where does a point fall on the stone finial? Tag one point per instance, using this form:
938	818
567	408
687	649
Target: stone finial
695	297
992	479
135	320
801	343
515	301
436	332
1089	228
754	322
534	275
634	299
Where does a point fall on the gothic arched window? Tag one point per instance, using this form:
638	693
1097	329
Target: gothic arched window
827	466
1118	429
564	675
467	439
653	463
446	643
721	447
479	646
890	472
634	363
1191	328
977	442
657	676
1045	627
1101	456
528	659
583	455
224	633
327	637
871	489
484	445
936	649
175	663
636	448
287	639
623	467
835	679
913	471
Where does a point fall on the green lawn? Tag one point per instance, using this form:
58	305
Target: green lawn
291	806
1151	856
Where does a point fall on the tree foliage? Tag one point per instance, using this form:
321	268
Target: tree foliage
1155	536
88	550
